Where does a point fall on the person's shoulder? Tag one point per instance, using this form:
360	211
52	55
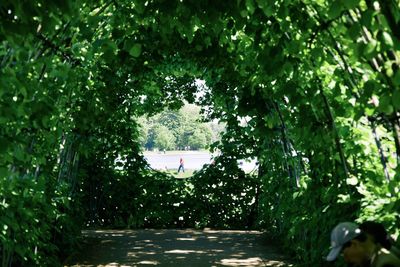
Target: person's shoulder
396	251
387	259
390	265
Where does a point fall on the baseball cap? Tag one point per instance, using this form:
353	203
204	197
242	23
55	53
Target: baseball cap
340	235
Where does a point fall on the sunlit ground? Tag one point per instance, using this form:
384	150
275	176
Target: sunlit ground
186	174
176	248
194	160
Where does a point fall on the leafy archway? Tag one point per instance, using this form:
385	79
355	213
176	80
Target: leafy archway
316	82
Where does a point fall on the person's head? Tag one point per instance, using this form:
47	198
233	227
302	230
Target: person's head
378	233
355	245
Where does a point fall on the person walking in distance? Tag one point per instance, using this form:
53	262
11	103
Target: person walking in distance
181	167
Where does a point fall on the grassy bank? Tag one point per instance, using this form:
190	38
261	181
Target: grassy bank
175	152
181	175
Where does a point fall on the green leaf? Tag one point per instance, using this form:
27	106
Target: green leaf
3	144
135	50
243	13
387	39
352	180
358	115
98	43
369	111
396	78
317	52
335	9
370	47
266	7
350	4
370	87
354	31
366	18
396	99
344	198
250	6
3	172
385	104
19	153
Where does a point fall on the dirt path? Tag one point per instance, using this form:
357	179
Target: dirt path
176	248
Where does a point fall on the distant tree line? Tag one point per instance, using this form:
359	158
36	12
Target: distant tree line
178	130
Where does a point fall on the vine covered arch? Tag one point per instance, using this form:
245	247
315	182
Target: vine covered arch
317	82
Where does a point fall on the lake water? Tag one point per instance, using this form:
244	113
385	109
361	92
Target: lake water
193	160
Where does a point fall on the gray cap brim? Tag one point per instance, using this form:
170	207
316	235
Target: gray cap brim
333	254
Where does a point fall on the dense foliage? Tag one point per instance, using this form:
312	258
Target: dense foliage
156	200
178	130
309	87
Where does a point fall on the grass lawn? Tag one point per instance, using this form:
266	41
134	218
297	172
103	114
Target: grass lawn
181	175
175	152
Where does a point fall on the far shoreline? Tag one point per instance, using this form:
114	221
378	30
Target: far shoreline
176	152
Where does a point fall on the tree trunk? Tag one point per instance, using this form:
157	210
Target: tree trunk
286	147
396	135
336	135
379	145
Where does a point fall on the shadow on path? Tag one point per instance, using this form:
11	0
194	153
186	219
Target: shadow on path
176	248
